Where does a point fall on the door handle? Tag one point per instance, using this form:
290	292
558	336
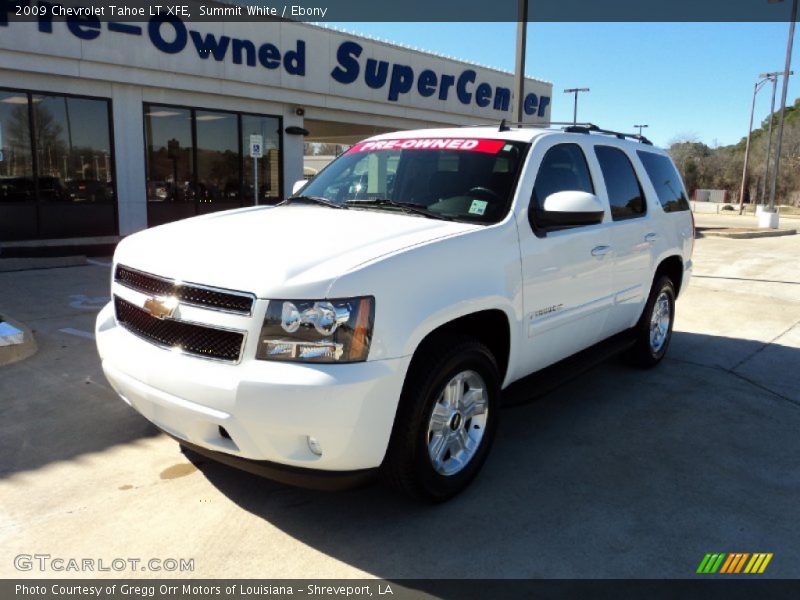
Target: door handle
650	238
600	251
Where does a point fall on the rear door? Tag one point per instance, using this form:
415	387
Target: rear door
632	232
676	230
567	273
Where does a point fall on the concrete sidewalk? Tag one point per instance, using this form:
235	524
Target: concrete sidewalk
733	219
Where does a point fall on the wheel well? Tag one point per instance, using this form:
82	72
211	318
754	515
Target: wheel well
672	267
489	327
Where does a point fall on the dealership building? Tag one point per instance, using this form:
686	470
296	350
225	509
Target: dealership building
107	128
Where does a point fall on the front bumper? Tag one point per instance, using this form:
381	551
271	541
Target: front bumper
258	410
309	478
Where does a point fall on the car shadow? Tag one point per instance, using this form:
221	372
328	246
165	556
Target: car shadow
617	473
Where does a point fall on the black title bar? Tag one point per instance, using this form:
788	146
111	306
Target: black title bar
405	11
707	587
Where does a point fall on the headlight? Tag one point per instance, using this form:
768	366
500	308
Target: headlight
323	331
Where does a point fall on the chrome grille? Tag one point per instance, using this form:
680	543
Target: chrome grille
187	293
190	338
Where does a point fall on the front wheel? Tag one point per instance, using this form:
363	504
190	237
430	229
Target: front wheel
446	420
653	332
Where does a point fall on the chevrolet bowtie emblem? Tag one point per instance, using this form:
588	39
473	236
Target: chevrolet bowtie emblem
162	307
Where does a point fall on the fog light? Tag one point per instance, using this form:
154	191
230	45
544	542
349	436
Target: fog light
314	446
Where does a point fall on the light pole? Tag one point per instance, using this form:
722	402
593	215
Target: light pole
575	91
773	223
640	128
519	69
762	79
774	78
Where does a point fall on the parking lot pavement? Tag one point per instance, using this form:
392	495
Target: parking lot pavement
618	473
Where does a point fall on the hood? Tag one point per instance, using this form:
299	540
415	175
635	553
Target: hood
277	251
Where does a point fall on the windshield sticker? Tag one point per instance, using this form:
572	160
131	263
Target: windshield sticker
472	145
478	207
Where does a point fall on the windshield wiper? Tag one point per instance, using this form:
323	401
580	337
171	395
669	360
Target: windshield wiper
313	200
409	207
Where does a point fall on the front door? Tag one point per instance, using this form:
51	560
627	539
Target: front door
567	273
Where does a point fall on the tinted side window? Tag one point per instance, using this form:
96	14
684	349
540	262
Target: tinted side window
624	191
666	181
563	169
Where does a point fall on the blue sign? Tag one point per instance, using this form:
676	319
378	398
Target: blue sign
402	79
169	34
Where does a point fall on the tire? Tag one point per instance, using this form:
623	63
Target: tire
440	438
653	332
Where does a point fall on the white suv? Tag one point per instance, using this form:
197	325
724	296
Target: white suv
370	321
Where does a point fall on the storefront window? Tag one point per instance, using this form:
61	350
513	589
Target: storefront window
16	164
169	154
206	153
68	190
73	149
218	159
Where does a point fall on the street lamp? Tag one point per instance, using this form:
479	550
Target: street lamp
640	128
575	91
773	221
762	79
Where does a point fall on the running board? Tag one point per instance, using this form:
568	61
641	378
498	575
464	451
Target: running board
543	382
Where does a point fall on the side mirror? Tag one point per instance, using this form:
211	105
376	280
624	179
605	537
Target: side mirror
298	185
570	209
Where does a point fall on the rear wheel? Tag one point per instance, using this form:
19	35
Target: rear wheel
446	420
653	332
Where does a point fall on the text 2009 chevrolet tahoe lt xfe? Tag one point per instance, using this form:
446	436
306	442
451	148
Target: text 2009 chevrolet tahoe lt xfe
371	320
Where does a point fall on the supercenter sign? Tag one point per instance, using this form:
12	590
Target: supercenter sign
427	83
402	80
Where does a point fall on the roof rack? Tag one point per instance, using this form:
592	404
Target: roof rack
508	125
591	128
570	127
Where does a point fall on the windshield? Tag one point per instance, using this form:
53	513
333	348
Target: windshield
462	179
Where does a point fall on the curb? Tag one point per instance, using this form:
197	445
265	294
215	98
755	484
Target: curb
742	233
17	352
26	264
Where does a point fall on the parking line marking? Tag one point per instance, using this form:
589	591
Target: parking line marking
98	263
77	333
83	302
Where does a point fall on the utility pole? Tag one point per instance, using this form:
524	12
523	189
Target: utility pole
519	69
575	91
774	77
786	71
640	128
769	143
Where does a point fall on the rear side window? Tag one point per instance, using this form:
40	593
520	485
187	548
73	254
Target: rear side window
563	169
624	191
666	181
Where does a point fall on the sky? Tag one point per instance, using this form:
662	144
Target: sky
682	79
